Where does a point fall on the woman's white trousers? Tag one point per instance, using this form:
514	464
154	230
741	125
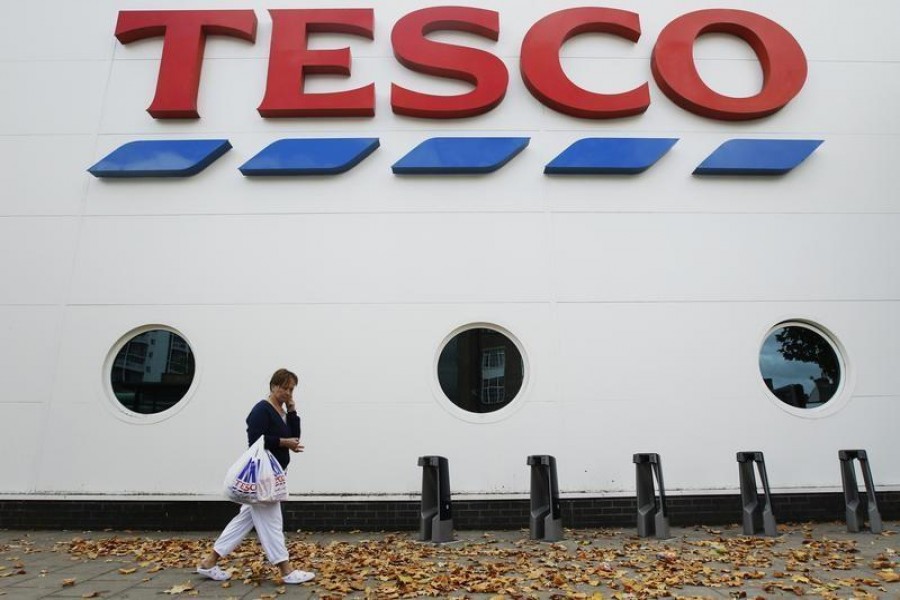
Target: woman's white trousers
267	520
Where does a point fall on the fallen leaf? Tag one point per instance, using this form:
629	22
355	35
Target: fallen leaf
68	582
126	571
179	589
889	575
91	595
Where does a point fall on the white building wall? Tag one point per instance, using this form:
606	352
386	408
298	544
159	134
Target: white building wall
640	302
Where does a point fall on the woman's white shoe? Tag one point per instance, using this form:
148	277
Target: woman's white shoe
298	576
215	573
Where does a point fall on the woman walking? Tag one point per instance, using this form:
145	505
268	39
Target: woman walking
274	418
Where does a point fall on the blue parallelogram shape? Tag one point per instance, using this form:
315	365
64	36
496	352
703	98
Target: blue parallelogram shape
160	158
309	156
609	156
757	157
459	155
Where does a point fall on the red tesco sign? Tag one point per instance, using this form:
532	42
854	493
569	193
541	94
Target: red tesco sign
291	61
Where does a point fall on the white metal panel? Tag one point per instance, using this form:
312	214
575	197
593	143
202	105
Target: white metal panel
58	30
23	430
323	258
29	353
37	258
28	190
52	97
640	258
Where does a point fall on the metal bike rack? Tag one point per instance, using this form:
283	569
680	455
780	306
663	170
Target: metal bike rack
756	516
856	507
652	515
546	514
436	518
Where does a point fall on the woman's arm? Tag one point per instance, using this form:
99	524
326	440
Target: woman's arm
293	422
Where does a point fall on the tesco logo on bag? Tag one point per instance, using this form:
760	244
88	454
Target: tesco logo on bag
246	479
184	33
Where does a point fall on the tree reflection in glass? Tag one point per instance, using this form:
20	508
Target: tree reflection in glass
800	366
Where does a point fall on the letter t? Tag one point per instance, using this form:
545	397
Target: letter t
184	39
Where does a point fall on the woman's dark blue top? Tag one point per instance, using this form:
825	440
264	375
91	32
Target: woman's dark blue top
264	420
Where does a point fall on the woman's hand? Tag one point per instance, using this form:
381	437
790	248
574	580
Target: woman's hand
292	444
285	397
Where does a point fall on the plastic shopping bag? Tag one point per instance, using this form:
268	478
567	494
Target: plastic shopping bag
256	477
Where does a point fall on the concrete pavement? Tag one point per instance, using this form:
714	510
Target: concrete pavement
815	560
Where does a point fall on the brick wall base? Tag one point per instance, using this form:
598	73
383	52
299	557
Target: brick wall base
376	515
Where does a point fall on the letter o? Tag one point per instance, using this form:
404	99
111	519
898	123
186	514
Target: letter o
780	55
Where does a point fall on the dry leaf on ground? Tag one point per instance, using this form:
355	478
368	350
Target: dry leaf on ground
179	589
889	575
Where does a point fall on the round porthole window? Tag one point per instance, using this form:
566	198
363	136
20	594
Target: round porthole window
800	365
152	371
480	370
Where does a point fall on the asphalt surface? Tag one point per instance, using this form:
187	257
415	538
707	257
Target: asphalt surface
809	560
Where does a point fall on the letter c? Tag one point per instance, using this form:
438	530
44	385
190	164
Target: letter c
543	74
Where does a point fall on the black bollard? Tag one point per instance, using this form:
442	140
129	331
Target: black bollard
436	519
856	507
756	516
652	515
546	514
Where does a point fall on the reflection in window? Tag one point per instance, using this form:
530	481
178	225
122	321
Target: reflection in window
800	366
493	370
148	382
480	370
